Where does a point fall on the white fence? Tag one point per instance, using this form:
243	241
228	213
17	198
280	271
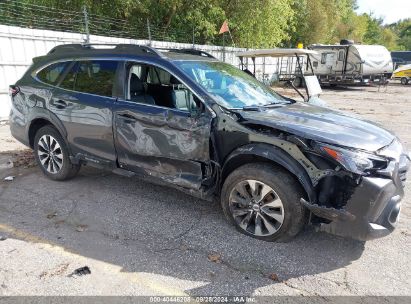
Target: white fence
19	45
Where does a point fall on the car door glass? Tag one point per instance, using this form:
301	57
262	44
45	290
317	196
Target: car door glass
153	85
168	91
341	56
96	77
69	78
51	73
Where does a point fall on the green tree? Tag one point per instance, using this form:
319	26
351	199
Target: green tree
259	23
402	29
322	21
253	23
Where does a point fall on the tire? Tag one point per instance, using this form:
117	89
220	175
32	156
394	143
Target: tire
404	80
286	221
56	165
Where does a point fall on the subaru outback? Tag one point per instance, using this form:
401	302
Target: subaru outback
184	119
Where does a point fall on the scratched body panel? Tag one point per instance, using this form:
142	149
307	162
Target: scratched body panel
162	141
88	121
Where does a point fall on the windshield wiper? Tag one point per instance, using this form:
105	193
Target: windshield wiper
275	104
252	108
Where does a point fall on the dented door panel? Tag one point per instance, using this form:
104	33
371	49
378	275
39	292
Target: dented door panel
162	142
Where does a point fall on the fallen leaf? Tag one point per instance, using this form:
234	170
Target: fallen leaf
51	215
214	257
184	247
81	228
273	277
43	274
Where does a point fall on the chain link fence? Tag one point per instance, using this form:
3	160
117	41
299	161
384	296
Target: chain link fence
17	13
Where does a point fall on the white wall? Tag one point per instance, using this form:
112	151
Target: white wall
19	45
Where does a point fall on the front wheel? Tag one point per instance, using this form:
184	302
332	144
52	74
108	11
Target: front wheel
404	80
263	201
52	156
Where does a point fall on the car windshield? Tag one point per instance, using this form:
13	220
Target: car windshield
231	87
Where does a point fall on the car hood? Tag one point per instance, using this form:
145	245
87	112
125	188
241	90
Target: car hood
322	124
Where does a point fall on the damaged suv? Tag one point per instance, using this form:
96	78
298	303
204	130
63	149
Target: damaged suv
183	118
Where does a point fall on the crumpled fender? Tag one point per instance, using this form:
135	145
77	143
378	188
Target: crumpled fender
41	113
276	155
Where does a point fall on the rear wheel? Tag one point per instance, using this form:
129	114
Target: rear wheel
263	201
404	80
52	155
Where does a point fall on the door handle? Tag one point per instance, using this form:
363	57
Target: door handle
127	118
59	104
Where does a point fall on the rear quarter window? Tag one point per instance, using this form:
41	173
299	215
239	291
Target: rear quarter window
52	73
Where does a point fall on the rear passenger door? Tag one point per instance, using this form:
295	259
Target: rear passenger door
83	101
164	138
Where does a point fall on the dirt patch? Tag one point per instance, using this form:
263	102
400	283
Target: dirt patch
17	159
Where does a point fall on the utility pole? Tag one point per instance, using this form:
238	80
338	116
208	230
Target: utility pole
86	24
193	37
149	31
223	47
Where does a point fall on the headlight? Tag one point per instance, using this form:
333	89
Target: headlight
354	161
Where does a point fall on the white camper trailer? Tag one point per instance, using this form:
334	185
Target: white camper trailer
349	63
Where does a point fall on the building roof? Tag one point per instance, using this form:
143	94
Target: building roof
275	53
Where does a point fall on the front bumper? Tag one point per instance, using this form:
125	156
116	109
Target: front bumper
375	206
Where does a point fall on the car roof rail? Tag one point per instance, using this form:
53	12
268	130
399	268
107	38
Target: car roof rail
189	51
64	48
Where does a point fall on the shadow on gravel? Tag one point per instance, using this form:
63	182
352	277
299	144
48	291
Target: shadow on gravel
149	228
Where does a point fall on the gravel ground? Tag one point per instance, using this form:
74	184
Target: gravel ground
143	239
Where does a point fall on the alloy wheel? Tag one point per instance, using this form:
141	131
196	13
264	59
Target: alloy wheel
256	208
50	154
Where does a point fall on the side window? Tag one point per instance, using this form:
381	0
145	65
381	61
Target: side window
96	77
70	78
341	56
158	76
324	58
153	85
51	73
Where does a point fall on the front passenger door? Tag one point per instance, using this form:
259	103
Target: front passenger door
169	143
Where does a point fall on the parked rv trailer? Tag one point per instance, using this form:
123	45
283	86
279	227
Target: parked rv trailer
348	63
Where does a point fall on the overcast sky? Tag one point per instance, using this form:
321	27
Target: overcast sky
390	10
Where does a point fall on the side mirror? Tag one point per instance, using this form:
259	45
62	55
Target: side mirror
196	112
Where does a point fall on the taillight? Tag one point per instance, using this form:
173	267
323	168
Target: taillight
13	90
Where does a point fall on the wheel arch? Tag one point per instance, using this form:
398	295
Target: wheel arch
270	154
40	121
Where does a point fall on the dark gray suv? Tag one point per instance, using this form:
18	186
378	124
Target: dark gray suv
185	119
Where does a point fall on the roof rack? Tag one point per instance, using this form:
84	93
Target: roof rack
67	48
189	51
194	52
64	48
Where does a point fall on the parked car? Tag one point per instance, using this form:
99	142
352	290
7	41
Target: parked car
402	73
213	131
